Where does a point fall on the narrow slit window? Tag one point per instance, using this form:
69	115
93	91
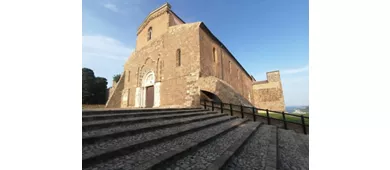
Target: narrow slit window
149	33
215	55
178	57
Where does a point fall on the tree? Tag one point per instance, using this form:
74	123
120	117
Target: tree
94	88
116	77
88	81
100	90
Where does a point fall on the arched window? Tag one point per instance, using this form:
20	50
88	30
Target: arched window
215	54
149	33
178	57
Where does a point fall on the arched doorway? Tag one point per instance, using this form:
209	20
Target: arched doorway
147	97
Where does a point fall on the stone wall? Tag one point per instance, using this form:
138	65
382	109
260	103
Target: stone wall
111	89
180	86
159	56
174	19
225	92
158	20
115	99
224	66
269	94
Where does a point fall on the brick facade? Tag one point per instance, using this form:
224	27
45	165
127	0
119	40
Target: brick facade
203	63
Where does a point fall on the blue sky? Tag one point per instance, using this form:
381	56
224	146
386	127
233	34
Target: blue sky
263	35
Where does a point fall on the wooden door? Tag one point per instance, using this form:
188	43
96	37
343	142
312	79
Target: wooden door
149	96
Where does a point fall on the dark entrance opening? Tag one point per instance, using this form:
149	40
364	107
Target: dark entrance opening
149	96
205	95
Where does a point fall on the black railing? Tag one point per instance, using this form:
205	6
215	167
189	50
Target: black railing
255	114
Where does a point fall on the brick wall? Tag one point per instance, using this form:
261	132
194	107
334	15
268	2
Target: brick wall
181	86
174	19
115	99
223	67
159	56
269	94
223	90
158	21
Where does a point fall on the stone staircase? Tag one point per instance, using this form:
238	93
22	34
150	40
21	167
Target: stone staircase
187	138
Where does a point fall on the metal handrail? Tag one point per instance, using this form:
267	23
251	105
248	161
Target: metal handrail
254	113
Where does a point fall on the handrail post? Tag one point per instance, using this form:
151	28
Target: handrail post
303	124
212	105
268	119
284	121
221	107
204	103
242	112
231	109
254	114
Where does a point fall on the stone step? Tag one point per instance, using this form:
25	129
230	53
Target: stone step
133	110
149	157
116	122
216	150
305	140
223	159
259	152
293	154
300	141
92	136
135	114
106	149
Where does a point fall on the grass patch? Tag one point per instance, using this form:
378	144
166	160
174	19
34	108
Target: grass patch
288	117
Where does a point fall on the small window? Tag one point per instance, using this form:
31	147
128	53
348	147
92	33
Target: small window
215	55
238	74
149	33
178	57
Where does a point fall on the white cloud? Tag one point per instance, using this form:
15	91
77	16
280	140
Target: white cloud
295	70
111	7
102	46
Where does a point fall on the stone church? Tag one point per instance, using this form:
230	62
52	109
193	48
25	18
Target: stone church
176	64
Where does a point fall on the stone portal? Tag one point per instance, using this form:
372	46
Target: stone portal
148	95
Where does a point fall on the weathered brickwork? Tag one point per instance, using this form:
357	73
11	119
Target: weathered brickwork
224	66
269	94
158	20
174	19
115	99
223	90
111	89
205	65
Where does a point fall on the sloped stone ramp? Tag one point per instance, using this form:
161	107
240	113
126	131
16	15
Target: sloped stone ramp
187	138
